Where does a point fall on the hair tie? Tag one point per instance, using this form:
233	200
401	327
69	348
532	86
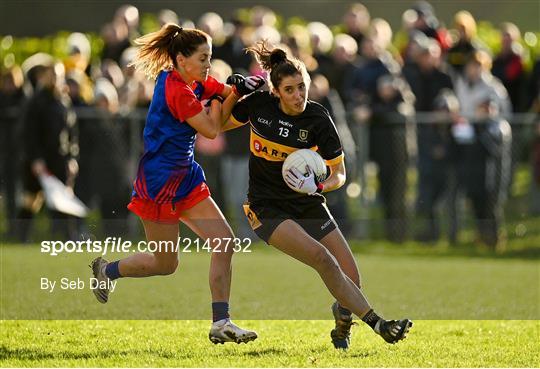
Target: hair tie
176	33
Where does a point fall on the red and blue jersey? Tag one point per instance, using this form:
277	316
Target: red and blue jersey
167	171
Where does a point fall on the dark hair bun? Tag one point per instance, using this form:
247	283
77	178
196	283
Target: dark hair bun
277	56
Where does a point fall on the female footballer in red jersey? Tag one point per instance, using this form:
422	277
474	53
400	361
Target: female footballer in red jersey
297	222
170	186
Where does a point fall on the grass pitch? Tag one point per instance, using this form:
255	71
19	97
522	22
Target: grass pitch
450	293
281	344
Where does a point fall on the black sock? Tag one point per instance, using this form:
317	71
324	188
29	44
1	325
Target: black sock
344	311
371	319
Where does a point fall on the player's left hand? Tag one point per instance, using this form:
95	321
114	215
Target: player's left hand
245	85
302	183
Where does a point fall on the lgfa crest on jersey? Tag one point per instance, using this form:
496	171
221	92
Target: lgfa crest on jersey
302	135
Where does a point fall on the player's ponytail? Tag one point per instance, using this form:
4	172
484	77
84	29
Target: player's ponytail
277	63
158	50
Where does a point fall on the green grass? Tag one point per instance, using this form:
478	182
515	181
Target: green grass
281	344
472	308
422	283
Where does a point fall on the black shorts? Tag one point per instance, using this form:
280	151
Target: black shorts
311	213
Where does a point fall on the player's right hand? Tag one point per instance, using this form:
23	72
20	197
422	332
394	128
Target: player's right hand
39	168
245	85
299	182
212	98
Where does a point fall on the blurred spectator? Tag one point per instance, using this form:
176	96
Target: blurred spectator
466	42
437	174
533	88
272	37
321	92
427	81
487	171
50	146
170	16
477	84
106	99
356	23
341	72
144	93
405	35
11	100
129	15
77	64
420	23
111	71
116	39
321	38
298	40
376	62
508	64
212	23
425	76
167	16
391	109
33	68
79	52
263	16
75	80
535	148
103	179
136	91
361	91
455	133
232	51
381	33
427	23
416	45
266	33
11	88
535	163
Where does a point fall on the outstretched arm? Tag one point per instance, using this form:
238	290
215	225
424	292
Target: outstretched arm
231	123
240	86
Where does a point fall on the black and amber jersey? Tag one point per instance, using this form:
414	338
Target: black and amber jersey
274	135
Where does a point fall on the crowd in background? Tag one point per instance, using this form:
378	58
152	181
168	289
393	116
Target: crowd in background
438	99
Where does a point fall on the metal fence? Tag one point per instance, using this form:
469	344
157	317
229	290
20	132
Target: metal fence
417	179
407	178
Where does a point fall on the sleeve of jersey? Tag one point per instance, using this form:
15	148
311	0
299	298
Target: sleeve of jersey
182	102
212	87
240	113
329	143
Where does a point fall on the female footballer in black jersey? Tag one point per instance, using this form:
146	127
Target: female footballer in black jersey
297	222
